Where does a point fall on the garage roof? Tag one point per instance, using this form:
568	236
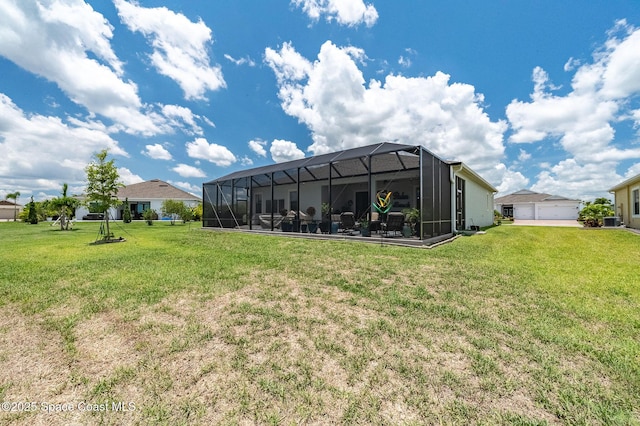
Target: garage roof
526	196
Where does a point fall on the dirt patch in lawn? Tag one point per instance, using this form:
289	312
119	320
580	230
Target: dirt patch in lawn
289	351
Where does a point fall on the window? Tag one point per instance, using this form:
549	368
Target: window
258	205
293	200
636	201
275	207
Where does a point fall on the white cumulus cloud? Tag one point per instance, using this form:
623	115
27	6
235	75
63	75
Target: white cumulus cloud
603	93
257	146
331	97
180	47
157	152
282	151
345	12
54	39
34	145
187	171
128	177
214	153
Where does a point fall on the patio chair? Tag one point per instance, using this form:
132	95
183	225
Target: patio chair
395	222
347	222
375	225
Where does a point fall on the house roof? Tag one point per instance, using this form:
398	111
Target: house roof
630	181
154	189
7	203
526	196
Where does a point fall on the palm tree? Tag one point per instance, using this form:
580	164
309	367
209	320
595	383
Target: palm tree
14	196
64	204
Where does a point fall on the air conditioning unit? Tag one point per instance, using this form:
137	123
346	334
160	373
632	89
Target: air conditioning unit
612	221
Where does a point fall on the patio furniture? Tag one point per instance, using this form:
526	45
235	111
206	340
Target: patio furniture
375	225
347	221
395	222
265	220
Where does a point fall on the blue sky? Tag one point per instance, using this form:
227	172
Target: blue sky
540	95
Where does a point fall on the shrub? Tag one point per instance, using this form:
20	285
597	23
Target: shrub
126	213
149	215
593	214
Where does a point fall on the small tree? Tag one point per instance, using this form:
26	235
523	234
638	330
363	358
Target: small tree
174	209
103	183
126	214
149	216
196	212
64	206
32	217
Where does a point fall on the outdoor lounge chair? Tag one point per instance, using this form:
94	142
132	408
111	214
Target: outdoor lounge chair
395	222
347	221
265	220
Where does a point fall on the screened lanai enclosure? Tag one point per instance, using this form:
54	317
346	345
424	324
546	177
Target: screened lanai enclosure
355	181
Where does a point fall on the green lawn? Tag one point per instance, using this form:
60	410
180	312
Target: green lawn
522	325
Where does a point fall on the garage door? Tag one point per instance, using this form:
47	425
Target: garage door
557	212
524	211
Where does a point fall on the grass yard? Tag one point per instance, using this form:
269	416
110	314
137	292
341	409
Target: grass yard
523	325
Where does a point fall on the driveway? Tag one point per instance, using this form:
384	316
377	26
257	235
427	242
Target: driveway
569	223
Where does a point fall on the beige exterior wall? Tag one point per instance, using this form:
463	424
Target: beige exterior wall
624	205
7	212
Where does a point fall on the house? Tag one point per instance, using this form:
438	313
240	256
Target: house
449	195
532	205
146	195
627	201
9	210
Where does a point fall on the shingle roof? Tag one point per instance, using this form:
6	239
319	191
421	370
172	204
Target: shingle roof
154	189
526	196
9	203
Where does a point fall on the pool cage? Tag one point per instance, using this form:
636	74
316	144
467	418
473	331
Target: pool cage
344	181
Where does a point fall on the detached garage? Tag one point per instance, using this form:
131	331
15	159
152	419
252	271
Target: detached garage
529	205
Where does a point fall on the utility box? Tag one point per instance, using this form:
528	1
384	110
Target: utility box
611	221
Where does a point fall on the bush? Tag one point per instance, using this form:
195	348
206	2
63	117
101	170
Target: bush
149	215
593	214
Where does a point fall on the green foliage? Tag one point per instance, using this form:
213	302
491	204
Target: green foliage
593	214
126	213
325	210
32	215
176	209
554	336
413	217
42	211
196	212
149	215
64	205
103	183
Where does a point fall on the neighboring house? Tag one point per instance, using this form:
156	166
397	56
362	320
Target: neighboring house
531	205
627	201
146	195
9	210
449	195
